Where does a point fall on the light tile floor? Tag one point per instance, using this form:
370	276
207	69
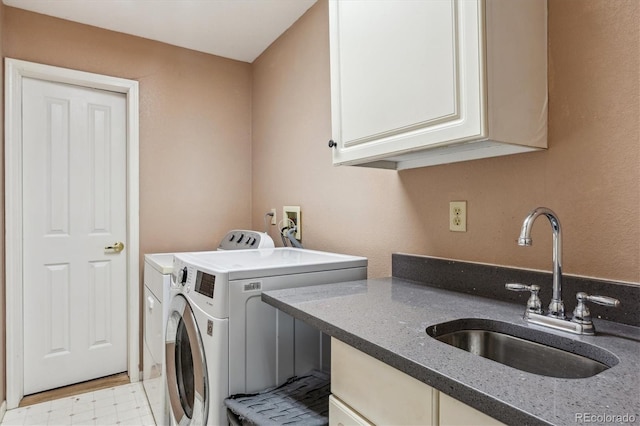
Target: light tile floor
120	405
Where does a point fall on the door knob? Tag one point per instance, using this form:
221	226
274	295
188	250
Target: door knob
117	247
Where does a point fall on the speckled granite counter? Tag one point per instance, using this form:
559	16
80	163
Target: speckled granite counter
386	318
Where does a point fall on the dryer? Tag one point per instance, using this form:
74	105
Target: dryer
157	298
157	279
221	339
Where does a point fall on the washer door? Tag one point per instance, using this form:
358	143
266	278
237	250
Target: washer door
186	368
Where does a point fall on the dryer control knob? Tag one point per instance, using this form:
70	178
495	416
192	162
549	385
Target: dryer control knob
182	278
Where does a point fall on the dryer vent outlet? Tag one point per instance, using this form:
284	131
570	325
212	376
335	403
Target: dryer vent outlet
293	214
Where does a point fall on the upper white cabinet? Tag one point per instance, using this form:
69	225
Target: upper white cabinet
423	82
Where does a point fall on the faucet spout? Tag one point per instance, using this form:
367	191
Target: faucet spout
556	307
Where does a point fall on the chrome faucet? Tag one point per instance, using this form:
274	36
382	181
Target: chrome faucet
581	322
556	307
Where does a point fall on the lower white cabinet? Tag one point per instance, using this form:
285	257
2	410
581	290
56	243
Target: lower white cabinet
378	392
366	391
455	413
342	415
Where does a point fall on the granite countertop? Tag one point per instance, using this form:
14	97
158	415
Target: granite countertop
387	317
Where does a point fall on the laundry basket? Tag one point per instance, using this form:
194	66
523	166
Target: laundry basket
301	400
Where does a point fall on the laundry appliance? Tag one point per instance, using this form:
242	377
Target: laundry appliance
157	279
221	339
157	298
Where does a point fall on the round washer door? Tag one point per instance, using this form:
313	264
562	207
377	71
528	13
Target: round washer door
186	368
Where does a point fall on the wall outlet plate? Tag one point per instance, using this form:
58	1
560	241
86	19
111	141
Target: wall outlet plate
293	213
458	216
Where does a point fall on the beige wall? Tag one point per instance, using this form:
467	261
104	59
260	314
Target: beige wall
195	126
590	176
195	136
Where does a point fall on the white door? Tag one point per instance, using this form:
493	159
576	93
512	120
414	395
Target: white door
74	207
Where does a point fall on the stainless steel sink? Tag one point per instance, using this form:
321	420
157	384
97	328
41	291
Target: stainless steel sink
524	348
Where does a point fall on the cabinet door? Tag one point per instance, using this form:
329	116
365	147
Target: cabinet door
405	74
456	413
342	415
379	392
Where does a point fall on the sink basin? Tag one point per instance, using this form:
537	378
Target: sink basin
525	348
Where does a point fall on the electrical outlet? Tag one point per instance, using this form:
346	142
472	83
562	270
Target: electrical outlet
458	216
273	218
293	213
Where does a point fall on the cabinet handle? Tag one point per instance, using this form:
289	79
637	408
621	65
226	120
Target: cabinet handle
332	144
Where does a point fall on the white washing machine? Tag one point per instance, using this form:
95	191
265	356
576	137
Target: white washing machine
157	298
221	339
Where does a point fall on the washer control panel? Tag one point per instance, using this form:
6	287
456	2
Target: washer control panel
242	239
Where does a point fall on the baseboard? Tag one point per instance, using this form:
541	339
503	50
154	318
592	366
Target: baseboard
3	410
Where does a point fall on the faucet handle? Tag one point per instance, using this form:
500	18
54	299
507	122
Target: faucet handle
600	300
521	287
533	304
581	313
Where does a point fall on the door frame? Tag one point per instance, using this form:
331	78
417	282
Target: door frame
15	71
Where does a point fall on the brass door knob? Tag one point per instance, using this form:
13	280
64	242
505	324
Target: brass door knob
117	247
